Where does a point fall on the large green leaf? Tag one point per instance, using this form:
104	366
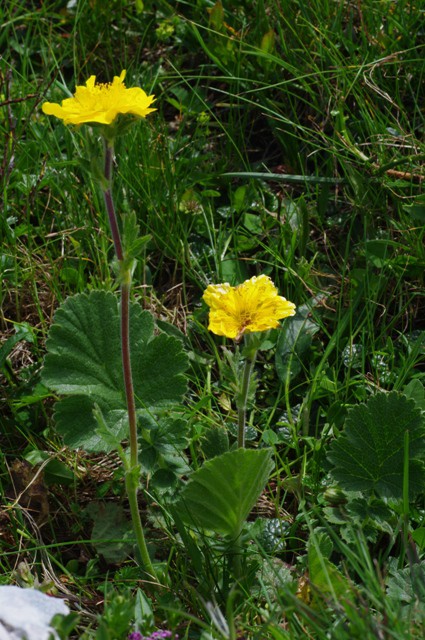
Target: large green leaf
83	363
369	455
220	495
75	421
324	576
111	531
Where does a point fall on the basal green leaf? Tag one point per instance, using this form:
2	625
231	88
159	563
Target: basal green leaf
215	441
325	577
164	439
77	424
83	348
111	531
407	585
220	495
83	363
158	365
369	454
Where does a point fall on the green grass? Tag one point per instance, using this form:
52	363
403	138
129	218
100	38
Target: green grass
288	140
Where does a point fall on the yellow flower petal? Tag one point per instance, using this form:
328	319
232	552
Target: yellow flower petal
255	305
101	103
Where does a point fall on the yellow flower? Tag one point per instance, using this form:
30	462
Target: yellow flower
101	103
252	306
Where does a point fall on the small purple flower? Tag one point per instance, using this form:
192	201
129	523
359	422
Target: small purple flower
161	634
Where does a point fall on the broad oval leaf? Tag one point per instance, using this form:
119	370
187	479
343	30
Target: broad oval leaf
220	495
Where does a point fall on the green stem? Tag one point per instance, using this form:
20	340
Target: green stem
236	557
132	485
242	399
406	510
133	471
230	613
127	373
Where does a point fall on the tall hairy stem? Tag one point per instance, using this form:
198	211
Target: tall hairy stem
242	399
132	468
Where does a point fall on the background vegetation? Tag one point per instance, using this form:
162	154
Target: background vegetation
288	140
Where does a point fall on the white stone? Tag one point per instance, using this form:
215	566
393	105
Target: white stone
25	614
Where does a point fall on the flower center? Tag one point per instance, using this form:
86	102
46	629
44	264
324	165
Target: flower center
245	318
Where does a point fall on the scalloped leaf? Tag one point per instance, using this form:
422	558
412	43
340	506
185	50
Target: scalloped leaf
83	363
369	454
220	495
